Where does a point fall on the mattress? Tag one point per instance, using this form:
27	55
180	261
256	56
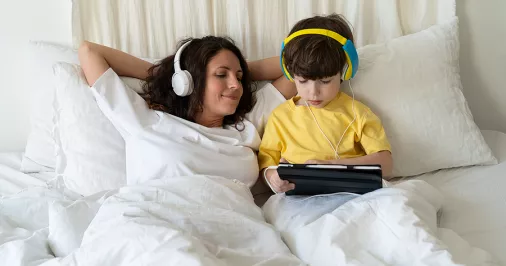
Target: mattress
475	199
12	180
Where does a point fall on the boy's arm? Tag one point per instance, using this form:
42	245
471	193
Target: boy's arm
375	143
383	158
270	69
269	152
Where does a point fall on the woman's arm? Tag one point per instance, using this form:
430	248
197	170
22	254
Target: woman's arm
96	59
383	158
269	69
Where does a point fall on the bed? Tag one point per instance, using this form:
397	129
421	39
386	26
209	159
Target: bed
59	195
12	180
474	199
473	207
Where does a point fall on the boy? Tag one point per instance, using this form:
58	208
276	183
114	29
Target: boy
321	125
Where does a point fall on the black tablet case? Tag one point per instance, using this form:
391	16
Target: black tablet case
314	181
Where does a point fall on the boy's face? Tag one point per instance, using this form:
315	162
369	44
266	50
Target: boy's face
318	93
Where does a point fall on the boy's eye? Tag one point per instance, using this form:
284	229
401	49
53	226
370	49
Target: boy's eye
302	81
325	81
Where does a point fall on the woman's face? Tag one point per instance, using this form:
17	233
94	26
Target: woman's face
223	85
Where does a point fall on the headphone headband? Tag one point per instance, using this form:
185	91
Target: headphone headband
323	32
177	56
348	47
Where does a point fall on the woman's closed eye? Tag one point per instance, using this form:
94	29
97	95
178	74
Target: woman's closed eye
222	76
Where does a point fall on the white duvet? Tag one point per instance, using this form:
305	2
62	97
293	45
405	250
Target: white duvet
391	226
202	220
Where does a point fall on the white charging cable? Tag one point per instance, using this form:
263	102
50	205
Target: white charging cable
385	183
354	114
336	155
335	149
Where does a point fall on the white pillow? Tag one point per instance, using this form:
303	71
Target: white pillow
413	84
40	148
94	151
40	154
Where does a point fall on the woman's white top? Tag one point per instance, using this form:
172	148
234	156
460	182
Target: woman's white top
160	145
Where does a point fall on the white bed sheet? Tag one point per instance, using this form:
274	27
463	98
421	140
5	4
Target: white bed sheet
475	201
12	180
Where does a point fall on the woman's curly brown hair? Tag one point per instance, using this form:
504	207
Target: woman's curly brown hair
160	95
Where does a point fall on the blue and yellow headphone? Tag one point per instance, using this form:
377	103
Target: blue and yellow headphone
348	47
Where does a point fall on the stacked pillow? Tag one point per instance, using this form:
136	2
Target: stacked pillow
70	135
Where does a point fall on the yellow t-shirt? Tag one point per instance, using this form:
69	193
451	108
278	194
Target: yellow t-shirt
292	133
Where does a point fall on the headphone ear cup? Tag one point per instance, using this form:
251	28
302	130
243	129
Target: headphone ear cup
182	83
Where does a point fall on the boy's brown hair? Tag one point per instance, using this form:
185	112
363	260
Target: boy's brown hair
315	56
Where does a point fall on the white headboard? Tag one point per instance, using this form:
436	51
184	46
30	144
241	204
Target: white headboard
153	28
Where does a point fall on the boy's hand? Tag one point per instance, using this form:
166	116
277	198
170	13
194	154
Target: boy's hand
318	162
279	185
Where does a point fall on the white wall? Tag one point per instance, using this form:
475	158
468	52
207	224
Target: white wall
21	21
483	60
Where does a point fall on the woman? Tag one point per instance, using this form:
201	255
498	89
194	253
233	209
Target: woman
184	147
213	131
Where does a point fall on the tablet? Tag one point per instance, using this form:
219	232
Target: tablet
314	179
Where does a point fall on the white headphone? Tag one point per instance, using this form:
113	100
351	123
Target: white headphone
182	81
